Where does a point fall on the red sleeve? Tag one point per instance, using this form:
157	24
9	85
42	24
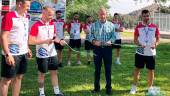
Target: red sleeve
34	30
136	33
69	27
157	32
7	22
85	26
81	26
65	25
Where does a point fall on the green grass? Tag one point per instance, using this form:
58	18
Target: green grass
78	80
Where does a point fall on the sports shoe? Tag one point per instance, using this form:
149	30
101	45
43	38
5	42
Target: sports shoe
60	65
59	94
78	62
41	94
69	63
117	62
133	89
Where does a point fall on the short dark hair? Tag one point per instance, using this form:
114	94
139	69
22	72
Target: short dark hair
145	11
88	16
116	14
58	11
76	13
23	1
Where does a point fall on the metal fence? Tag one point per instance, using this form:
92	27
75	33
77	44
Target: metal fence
162	20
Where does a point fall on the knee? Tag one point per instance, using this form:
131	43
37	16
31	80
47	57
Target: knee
19	77
41	75
5	81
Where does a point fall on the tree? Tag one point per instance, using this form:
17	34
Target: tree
84	7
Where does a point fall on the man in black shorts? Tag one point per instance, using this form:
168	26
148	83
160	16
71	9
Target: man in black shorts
42	35
74	29
15	50
87	30
146	37
117	44
60	26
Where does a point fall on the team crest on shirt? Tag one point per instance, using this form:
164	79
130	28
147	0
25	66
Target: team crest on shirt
14	48
42	52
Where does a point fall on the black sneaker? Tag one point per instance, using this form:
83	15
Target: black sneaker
95	91
88	62
59	94
108	91
60	65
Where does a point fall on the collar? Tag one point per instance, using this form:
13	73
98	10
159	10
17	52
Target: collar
16	13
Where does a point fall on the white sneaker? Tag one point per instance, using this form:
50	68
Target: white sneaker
69	63
78	62
133	89
117	62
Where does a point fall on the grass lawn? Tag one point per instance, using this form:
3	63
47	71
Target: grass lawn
78	80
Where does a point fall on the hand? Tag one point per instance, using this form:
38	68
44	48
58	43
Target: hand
48	41
10	60
62	42
154	46
97	43
109	43
29	54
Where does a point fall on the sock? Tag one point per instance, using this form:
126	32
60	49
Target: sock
56	90
118	59
41	90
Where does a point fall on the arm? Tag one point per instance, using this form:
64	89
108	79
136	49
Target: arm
34	41
9	58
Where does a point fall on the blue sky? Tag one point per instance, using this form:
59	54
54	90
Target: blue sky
126	6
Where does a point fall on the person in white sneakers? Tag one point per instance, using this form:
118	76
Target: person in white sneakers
15	49
146	37
43	35
117	44
74	29
88	44
60	26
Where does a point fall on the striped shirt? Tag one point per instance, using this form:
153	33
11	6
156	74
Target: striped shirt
102	32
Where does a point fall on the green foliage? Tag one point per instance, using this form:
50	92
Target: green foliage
84	8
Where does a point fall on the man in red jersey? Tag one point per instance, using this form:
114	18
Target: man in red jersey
74	29
43	35
15	50
60	26
146	37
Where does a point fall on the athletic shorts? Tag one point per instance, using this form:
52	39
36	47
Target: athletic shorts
58	46
75	43
20	67
88	45
141	61
117	43
45	64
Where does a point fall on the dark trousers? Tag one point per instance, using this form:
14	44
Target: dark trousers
105	54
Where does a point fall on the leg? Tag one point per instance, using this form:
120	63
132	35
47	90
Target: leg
4	85
98	64
59	55
78	56
136	76
54	77
54	81
16	84
108	64
41	77
150	77
88	57
69	56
